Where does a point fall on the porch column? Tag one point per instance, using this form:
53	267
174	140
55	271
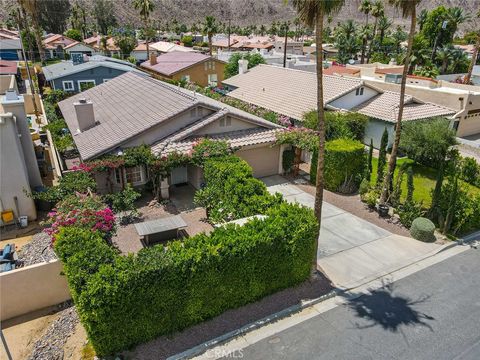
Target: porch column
164	186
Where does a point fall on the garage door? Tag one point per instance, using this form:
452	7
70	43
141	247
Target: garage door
264	161
9	54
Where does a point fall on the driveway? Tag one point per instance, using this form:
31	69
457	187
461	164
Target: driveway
353	251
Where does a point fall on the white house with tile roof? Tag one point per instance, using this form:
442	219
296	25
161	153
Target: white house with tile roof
294	92
135	109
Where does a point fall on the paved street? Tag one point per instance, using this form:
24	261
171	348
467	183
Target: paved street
432	314
353	251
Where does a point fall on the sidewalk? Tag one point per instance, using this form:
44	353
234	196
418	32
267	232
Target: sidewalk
353	251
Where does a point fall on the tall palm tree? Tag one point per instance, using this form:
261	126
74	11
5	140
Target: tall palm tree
145	8
365	7
377	11
312	12
30	7
409	9
476	50
210	28
444	56
384	24
364	34
456	17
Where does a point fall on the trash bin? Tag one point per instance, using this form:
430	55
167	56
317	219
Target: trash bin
23	220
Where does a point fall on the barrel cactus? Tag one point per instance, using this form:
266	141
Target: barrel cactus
423	229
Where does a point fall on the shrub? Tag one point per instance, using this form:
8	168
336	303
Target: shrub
339	125
370	198
123	200
73	34
231	191
288	157
471	171
423	229
408	212
364	187
166	289
344	165
70	183
382	157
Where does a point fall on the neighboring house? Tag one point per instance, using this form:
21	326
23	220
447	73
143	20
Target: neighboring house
10	47
140	52
163	47
293	93
293	47
80	48
96	43
55	44
341	70
203	70
8	67
135	109
18	162
77	75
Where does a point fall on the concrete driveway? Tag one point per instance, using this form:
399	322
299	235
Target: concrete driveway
353	251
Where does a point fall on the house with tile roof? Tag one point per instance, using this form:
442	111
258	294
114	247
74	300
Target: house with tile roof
80	48
96	43
84	72
293	93
203	70
135	109
163	47
54	45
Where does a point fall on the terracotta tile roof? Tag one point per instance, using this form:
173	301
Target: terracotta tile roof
95	41
236	139
53	41
173	62
389	70
166	47
337	69
385	107
287	91
8	67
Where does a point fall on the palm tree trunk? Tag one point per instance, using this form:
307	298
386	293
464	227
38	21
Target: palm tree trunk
373	39
398	127
364	48
285	47
146	39
210	44
467	78
321	128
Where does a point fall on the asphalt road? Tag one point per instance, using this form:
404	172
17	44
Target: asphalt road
432	314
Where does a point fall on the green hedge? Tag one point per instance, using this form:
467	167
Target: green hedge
423	229
345	163
126	300
231	191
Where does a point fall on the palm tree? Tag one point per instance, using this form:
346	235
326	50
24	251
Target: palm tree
312	12
145	8
422	18
30	7
409	9
476	50
263	30
384	24
456	17
444	56
364	34
365	7
377	11
210	28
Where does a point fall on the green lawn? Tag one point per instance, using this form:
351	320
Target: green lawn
423	181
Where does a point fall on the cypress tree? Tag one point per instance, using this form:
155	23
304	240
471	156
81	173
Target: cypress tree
382	157
410	187
369	160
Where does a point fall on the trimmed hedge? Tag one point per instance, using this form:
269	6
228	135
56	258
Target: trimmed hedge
345	164
126	300
423	229
231	191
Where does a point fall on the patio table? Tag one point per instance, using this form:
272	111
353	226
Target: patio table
160	229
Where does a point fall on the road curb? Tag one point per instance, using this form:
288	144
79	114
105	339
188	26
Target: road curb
202	348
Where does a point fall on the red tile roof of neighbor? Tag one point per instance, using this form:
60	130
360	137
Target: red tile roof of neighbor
171	63
8	67
392	70
336	69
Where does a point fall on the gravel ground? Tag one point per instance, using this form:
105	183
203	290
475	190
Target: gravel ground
37	251
50	345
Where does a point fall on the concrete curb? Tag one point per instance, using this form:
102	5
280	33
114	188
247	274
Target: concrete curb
202	348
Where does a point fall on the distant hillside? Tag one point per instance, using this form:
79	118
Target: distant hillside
241	12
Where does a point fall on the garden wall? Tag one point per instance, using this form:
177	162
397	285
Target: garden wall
32	288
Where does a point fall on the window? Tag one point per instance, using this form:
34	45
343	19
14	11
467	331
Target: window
206	65
186	78
359	91
68	86
85	84
212	79
118	176
226	121
133	174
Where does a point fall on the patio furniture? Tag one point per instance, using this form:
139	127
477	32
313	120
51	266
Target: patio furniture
160	229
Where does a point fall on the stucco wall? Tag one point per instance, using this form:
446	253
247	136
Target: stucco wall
374	130
32	288
199	75
215	128
99	74
351	100
264	160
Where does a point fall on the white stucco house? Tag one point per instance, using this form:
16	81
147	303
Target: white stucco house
293	92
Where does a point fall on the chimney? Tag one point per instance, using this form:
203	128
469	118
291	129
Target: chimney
11	95
85	114
242	66
153	58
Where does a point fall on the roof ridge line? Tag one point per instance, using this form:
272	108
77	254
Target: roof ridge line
168	86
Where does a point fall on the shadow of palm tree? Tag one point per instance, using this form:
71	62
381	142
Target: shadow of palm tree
390	311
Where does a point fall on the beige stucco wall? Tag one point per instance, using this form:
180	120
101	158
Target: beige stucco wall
215	128
29	108
7	82
32	288
264	160
199	75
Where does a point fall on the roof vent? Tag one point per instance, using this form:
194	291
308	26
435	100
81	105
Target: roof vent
153	58
85	114
242	66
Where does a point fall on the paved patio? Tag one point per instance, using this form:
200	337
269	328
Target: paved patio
353	251
127	239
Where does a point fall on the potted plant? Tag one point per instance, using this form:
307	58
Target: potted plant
383	210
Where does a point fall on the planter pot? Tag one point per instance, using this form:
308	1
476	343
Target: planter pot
383	210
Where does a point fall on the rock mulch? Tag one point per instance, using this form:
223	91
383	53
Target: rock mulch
50	345
38	250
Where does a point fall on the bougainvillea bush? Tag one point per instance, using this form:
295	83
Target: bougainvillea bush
84	211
